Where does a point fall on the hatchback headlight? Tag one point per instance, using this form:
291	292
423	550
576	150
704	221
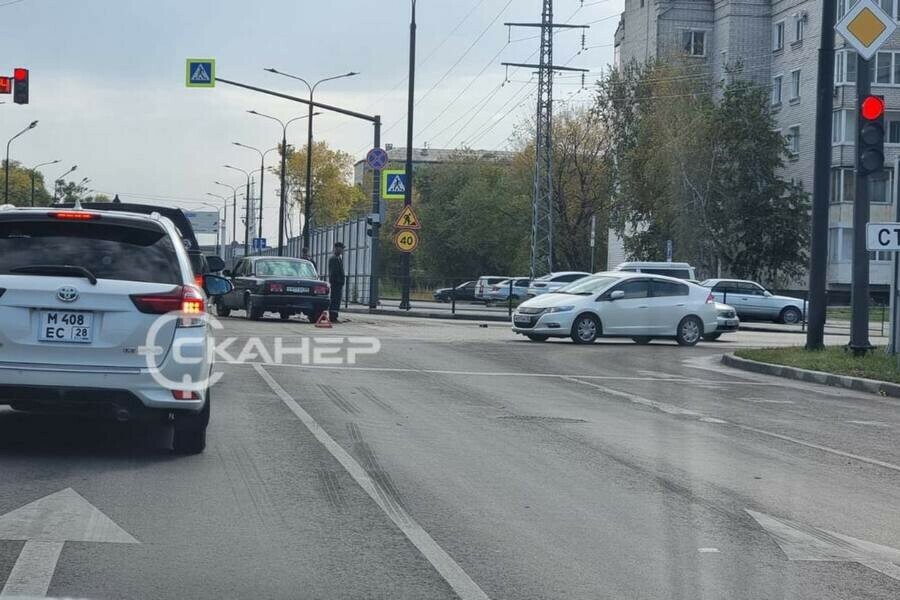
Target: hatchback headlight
559	309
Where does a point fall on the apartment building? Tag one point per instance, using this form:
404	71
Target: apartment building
776	42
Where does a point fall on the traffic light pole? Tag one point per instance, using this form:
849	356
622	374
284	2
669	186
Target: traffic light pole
859	287
818	251
376	225
407	200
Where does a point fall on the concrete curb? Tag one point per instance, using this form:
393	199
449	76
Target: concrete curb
448	316
858	384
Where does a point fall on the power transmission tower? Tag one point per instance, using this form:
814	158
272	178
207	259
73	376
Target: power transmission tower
542	194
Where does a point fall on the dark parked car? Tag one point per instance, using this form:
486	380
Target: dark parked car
464	291
287	286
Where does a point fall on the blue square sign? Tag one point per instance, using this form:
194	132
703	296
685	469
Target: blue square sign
200	72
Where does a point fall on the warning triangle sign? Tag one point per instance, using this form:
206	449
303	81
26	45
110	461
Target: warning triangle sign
408	219
200	74
395	185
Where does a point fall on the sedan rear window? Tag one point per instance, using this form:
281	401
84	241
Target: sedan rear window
109	251
285	268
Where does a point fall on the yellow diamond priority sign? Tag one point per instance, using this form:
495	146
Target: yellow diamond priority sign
866	27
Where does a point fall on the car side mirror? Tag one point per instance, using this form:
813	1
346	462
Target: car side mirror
215	263
617	295
227	272
214	285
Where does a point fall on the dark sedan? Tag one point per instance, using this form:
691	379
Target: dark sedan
287	286
464	291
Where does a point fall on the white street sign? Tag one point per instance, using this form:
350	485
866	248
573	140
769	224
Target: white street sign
883	236
866	27
45	525
801	542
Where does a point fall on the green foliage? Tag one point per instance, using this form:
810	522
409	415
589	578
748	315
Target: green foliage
697	164
20	186
335	198
833	359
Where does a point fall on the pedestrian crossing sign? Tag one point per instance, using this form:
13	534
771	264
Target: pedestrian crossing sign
393	184
200	72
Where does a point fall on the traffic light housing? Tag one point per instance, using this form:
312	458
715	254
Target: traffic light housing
870	135
6	85
372	220
20	94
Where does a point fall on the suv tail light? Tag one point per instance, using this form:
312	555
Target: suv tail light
321	289
186	299
276	288
710	299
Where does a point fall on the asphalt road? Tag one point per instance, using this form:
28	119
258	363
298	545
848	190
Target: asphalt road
463	461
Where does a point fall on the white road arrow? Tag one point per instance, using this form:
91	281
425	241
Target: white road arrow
801	542
45	525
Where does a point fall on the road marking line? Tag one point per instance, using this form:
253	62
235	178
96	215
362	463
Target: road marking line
33	571
448	568
677	410
871	423
708	550
766	401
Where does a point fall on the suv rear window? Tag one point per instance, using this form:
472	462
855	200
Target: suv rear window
109	251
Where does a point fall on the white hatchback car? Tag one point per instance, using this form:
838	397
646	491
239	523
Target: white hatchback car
620	304
101	314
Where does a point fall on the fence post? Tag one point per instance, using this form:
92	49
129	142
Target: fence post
509	299
453	297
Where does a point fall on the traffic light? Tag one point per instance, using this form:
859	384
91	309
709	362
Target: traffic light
871	135
20	95
5	85
372	220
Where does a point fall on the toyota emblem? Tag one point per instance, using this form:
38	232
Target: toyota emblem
67	294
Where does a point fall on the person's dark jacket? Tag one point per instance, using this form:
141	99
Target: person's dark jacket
336	270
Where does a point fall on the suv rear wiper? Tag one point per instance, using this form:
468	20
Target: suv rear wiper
56	270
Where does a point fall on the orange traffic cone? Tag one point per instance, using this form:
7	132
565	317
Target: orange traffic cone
324	320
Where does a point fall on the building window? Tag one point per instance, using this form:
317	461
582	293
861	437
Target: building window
893	132
880	187
843	6
799	27
776	90
843	126
694	43
778	36
795	84
843	185
883	70
793	140
888	7
840	244
845	66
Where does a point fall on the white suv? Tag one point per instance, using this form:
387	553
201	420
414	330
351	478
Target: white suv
100	313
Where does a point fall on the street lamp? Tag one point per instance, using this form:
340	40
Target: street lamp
218	225
307	204
34	172
233	208
247	218
59	179
262	167
31	126
281	209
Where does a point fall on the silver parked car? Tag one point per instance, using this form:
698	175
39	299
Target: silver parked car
500	291
753	301
553	281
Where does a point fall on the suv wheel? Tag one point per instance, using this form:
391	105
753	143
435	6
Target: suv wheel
221	309
285	316
690	330
585	329
190	431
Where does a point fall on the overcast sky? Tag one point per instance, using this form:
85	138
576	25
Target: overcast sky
107	81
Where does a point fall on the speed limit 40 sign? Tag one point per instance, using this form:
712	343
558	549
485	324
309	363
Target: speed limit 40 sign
883	236
406	240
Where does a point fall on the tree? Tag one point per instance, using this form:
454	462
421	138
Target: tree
702	172
335	198
20	186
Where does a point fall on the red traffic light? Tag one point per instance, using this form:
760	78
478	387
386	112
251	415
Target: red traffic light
872	107
5	85
20	74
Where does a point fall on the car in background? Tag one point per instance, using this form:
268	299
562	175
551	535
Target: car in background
81	292
727	321
500	291
553	281
287	286
620	304
678	270
463	292
484	283
752	301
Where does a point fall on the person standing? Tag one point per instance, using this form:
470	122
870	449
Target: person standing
304	254
336	278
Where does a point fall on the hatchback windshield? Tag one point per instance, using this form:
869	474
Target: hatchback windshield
588	285
285	268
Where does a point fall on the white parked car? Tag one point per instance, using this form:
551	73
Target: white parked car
83	294
499	292
620	304
678	270
553	281
484	283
